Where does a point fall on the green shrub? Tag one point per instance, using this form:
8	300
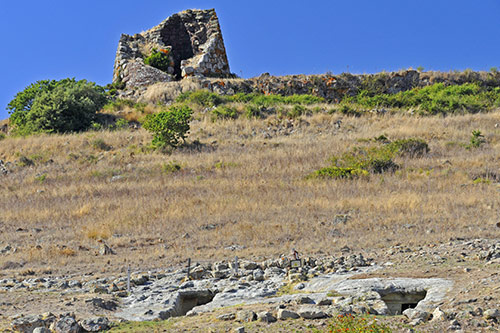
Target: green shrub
56	106
296	111
410	147
338	173
476	139
371	159
121	123
2	136
100	144
350	323
224	112
25	162
349	111
433	99
201	97
169	127
159	59
171	167
112	88
252	111
41	177
118	105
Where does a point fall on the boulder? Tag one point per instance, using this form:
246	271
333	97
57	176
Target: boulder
246	316
67	324
266	317
41	330
491	314
438	315
414	314
95	324
311	313
27	324
287	314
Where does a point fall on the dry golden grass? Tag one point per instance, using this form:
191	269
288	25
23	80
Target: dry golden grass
251	190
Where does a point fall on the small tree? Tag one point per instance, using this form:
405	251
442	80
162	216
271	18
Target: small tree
56	106
169	127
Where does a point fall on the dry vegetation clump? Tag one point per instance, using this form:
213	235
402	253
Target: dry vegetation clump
241	183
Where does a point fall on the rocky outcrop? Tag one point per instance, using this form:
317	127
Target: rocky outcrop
192	40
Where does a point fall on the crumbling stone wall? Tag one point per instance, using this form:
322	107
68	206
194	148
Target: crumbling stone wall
193	41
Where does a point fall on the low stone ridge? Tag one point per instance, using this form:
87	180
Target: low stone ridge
192	40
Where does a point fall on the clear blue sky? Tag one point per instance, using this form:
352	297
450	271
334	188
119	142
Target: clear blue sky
61	38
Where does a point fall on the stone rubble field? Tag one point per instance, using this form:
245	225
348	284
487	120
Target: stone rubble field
460	292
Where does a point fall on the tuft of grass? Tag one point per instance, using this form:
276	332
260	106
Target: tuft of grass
224	112
358	324
171	167
476	140
100	144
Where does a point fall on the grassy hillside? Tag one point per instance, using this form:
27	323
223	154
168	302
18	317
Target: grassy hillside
240	186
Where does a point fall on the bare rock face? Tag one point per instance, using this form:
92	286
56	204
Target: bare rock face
192	40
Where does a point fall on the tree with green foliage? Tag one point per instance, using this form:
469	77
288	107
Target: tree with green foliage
51	106
169	127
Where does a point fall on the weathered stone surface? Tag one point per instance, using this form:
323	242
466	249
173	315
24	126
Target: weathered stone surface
246	316
41	330
227	316
137	74
304	300
192	40
27	324
491	314
3	168
105	250
310	312
287	314
439	315
266	317
67	324
95	324
103	304
414	314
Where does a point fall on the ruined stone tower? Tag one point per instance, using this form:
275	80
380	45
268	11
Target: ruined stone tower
192	40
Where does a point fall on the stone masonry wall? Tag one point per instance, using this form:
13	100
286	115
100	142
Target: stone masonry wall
193	41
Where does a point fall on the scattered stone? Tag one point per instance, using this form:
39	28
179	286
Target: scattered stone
249	265
266	317
325	301
311	313
491	314
284	314
95	324
438	315
304	300
414	314
246	316
258	275
299	286
67	324
239	330
41	330
454	325
227	316
105	250
12	265
27	324
101	303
